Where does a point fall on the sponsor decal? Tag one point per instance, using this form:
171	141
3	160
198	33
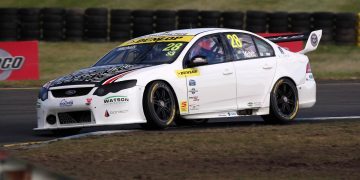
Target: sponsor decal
70	92
254	104
116	100
193	91
184	106
88	101
19	61
66	103
228	114
194	98
194	107
117	112
189	72
152	39
314	40
107	113
192	82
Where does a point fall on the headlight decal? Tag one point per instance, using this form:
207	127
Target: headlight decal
114	87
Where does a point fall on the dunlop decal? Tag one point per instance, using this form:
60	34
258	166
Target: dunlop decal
152	39
189	72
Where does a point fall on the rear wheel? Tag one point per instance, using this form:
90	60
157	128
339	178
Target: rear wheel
284	103
159	106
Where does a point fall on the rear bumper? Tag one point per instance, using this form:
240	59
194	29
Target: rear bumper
307	94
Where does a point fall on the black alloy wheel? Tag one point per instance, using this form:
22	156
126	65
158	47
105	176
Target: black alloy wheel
284	102
159	106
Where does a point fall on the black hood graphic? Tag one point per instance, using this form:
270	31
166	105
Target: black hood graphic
94	75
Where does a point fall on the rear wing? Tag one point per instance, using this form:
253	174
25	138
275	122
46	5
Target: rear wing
312	38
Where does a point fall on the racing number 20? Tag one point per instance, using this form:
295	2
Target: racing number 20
173	46
235	41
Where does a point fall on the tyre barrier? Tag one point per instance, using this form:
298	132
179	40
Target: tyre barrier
165	20
120	24
8	24
324	21
143	22
102	24
30	28
188	18
300	22
256	21
52	24
210	19
74	24
96	24
358	31
232	19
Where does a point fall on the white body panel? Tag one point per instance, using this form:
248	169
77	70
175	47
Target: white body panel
222	89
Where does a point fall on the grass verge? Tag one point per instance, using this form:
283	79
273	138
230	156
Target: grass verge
329	62
328	150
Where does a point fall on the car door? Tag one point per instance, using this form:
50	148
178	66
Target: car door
255	65
213	89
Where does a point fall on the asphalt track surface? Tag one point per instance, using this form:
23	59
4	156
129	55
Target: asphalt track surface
18	112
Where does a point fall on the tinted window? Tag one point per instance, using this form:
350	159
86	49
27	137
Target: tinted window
210	48
265	50
242	45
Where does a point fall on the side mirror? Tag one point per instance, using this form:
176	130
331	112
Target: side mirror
198	61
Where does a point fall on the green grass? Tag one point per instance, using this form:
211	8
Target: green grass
328	150
57	59
238	5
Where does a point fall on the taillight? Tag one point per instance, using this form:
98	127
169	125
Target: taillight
308	68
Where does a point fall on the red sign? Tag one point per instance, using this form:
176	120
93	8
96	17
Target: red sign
19	60
294	46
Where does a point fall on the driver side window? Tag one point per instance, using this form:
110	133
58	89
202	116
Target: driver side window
210	48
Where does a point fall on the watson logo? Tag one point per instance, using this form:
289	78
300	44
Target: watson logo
8	63
66	103
116	100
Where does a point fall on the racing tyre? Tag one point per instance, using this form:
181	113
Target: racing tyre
159	105
284	103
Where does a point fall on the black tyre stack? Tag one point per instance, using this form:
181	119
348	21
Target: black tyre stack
345	25
234	20
74	23
96	24
324	21
256	21
278	22
210	19
300	22
8	24
188	19
29	23
120	24
143	22
52	24
165	20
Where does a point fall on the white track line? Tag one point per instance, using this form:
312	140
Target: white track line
327	118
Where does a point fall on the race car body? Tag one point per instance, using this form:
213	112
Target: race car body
186	76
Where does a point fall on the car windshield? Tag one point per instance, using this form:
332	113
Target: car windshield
147	53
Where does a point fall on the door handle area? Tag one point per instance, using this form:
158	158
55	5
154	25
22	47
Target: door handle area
266	66
227	73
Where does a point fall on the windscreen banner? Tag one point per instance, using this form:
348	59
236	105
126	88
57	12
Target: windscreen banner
19	60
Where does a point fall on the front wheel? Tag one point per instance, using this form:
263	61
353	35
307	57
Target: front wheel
159	106
284	103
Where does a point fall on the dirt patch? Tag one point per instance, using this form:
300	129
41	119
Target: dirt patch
299	151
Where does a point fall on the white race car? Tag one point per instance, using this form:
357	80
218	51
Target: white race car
184	76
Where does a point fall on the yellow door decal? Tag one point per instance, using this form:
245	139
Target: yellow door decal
189	72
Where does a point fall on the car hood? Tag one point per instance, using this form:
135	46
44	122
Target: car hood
94	75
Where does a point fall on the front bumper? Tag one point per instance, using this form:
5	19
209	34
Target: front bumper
123	107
